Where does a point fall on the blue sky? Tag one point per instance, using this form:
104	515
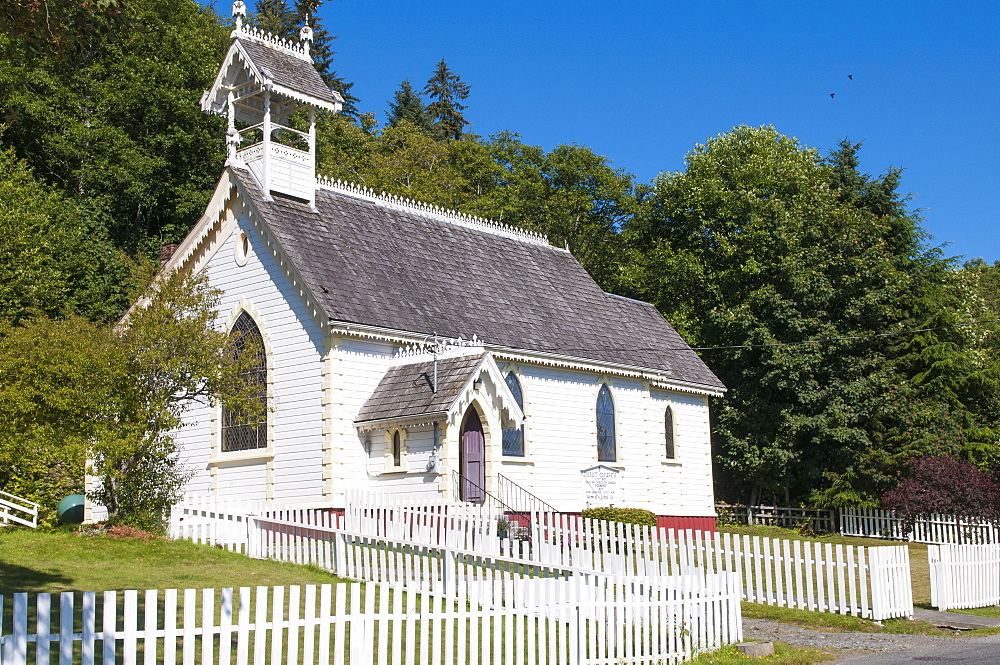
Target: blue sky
642	82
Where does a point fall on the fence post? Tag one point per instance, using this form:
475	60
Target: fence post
575	629
338	554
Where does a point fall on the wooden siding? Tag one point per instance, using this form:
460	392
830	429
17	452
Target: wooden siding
561	440
295	343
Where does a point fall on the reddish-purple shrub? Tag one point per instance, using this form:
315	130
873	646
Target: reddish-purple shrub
947	486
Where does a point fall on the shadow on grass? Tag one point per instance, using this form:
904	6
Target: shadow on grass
17	579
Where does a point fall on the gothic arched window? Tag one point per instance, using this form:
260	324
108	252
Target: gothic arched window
668	423
239	432
397	449
607	446
513	439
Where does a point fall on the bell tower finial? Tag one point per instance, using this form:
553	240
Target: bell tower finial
306	35
239	12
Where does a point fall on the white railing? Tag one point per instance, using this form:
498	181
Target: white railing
357	623
15	510
964	576
433	547
937	529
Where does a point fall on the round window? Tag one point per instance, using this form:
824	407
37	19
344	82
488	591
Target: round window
242	249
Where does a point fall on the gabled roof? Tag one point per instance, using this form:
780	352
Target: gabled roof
406	391
265	61
401	268
288	71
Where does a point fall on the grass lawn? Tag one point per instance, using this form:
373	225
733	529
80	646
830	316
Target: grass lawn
784	654
838	623
60	560
920	576
993	611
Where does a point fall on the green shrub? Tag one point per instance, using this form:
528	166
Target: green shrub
625	515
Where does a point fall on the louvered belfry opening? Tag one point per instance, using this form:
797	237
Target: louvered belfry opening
237	432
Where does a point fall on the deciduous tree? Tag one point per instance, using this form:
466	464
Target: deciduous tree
102	100
944	485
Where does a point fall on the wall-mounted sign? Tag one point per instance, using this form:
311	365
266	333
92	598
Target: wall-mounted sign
600	486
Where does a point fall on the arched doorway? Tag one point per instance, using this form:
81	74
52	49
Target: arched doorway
472	458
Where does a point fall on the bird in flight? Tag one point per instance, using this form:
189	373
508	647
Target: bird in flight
850	76
832	94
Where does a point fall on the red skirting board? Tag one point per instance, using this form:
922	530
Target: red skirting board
684	523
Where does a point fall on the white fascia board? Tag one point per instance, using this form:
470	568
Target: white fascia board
507	403
657	378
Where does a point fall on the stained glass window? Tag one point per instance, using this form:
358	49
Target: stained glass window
513	439
607	446
669	429
239	432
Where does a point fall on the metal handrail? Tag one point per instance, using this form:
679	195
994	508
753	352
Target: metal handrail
513	493
458	479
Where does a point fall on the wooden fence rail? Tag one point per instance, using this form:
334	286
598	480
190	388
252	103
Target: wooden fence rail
358	624
816	519
15	510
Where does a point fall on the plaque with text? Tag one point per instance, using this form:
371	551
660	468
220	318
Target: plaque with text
600	486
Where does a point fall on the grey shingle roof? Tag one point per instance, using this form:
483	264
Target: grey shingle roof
405	390
371	264
287	70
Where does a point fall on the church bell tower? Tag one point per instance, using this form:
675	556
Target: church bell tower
269	89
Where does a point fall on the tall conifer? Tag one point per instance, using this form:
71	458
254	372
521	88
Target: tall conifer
322	53
274	16
448	92
407	105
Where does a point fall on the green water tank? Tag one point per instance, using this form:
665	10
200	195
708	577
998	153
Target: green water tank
70	509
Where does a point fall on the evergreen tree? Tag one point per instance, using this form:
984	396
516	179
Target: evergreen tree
408	106
448	92
307	11
275	17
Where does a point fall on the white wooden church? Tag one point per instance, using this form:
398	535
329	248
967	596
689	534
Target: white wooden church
419	352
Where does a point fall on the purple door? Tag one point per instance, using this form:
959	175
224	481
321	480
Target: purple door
473	458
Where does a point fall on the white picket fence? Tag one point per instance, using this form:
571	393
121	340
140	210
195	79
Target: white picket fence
964	576
366	623
935	529
15	510
434	547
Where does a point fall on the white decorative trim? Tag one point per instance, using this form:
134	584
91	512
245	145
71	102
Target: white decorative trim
441	349
282	259
258	36
422	420
432	211
538	358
